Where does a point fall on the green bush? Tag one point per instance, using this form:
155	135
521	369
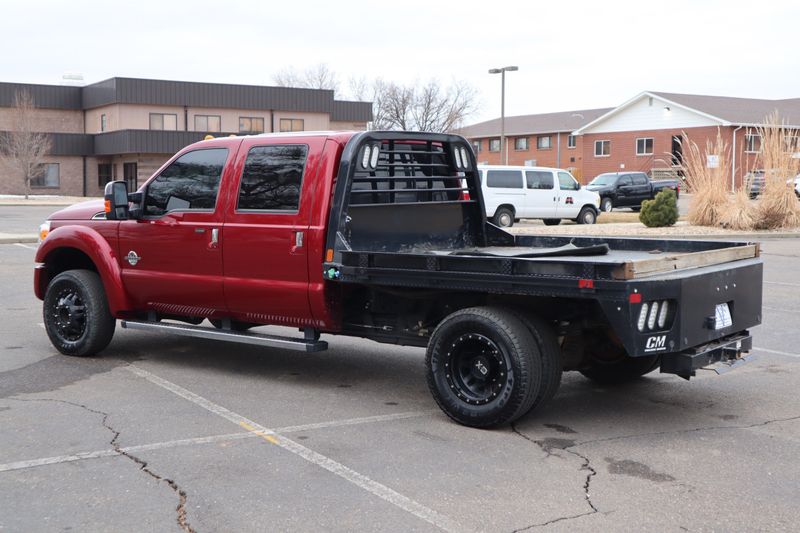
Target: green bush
660	211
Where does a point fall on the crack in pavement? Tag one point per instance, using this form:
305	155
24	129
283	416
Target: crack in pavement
679	431
548	447
182	497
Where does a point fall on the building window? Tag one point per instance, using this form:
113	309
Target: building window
292	124
476	147
251	125
207	123
163	121
105	173
752	143
644	146
521	143
544	142
103	122
570	141
47	177
494	145
602	148
129	174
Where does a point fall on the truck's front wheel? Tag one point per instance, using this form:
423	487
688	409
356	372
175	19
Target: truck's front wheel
484	366
76	314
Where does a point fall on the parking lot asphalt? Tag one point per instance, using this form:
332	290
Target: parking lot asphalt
165	433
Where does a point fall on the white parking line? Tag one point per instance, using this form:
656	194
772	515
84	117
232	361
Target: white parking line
44	461
24	246
756	349
373	487
779	309
782	283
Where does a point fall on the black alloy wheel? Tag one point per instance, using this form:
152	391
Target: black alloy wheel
477	368
69	314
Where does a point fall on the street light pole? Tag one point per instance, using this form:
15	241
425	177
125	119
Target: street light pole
502	71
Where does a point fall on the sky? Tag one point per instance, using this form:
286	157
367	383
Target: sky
571	54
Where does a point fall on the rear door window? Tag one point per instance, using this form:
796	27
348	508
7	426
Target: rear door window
272	178
539	179
625	180
639	179
191	182
504	179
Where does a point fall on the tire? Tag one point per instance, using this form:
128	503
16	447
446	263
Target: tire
551	221
552	367
76	314
235	324
503	217
606	205
484	367
636	208
587	216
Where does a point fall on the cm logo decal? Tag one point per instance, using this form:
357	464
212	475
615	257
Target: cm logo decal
656	343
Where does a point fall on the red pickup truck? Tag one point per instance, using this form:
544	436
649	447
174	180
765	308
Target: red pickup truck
383	235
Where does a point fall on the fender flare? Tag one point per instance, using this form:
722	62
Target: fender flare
96	247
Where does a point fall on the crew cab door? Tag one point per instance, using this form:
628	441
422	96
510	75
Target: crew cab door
642	187
171	258
265	257
626	195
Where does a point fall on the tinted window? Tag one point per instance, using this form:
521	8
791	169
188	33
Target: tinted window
625	180
567	182
539	179
639	179
504	179
272	177
190	182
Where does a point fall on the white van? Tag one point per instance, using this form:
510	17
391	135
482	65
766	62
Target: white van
552	194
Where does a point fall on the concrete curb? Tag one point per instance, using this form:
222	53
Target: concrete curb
22	239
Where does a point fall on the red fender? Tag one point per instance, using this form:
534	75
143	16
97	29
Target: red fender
99	251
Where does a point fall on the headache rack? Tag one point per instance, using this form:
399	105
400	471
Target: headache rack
404	192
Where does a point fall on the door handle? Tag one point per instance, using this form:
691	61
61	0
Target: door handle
298	241
214	238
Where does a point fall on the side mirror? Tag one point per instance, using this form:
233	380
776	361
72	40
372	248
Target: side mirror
116	200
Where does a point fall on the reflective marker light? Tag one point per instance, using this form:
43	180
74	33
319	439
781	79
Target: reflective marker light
464	157
651	320
642	317
662	315
457	154
376	151
365	157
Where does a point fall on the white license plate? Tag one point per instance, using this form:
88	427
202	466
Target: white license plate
722	317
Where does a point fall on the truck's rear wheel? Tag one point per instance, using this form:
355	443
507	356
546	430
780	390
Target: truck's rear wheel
484	366
607	363
76	315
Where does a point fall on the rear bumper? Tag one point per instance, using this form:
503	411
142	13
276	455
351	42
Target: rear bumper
728	350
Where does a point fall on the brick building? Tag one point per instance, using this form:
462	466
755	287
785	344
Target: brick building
126	128
642	134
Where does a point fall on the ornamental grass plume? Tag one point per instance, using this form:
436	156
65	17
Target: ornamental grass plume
706	182
740	213
777	206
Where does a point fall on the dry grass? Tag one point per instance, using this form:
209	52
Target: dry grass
777	206
709	185
739	213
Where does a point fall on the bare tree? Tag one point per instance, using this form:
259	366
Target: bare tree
319	76
430	107
23	148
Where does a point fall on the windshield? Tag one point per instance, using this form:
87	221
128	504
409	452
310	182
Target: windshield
604	179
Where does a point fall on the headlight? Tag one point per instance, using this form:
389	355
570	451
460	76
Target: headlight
44	230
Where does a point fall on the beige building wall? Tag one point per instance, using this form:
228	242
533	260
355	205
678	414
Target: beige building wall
348	126
129	117
47	120
92	117
70	174
312	121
